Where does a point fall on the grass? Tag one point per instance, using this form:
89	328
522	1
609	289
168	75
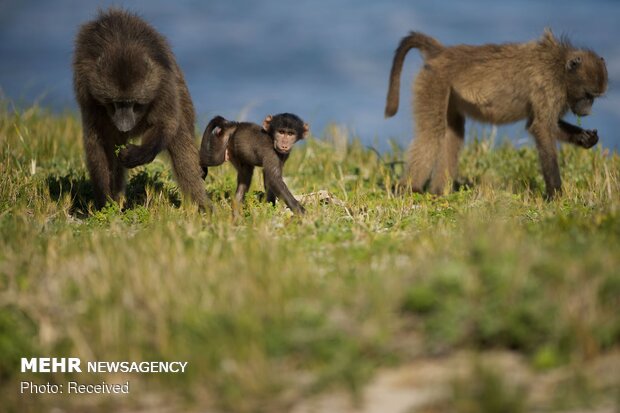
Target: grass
275	309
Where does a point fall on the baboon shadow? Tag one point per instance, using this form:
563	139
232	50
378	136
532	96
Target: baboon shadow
78	187
461	184
136	189
81	192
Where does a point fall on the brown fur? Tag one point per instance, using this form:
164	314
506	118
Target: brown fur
248	145
214	146
128	84
539	81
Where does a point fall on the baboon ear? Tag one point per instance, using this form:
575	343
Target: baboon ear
267	122
217	131
573	63
306	131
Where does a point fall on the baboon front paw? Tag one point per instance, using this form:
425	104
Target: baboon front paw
130	156
588	138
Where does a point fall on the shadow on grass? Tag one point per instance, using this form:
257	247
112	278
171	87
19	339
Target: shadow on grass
136	191
461	184
80	189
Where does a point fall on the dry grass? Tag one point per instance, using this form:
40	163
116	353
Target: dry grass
274	309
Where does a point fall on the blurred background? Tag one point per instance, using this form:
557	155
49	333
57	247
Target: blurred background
326	61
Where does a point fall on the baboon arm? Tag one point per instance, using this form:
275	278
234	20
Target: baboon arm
269	195
98	165
275	183
545	136
136	155
585	138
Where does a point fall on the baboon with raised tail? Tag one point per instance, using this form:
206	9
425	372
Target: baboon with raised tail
495	83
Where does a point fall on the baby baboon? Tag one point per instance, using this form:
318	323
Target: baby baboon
248	145
538	81
128	84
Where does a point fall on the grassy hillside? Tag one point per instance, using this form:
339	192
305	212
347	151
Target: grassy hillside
275	310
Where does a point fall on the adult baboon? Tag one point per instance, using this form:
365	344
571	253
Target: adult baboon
128	84
538	81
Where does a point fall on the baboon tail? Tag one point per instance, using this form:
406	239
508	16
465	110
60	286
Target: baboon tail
428	46
216	122
209	156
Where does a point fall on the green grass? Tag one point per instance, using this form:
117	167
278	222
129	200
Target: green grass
274	309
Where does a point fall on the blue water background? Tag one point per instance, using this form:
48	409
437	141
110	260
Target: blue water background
327	61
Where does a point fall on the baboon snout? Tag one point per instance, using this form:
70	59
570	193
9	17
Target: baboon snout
582	110
124	116
583	107
283	148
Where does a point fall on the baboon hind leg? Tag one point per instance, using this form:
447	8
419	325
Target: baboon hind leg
446	166
244	180
430	109
186	164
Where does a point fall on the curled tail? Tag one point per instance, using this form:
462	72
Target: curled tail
213	146
429	48
216	122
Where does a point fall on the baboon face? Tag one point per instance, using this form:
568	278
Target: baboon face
125	83
285	129
284	139
125	114
587	80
